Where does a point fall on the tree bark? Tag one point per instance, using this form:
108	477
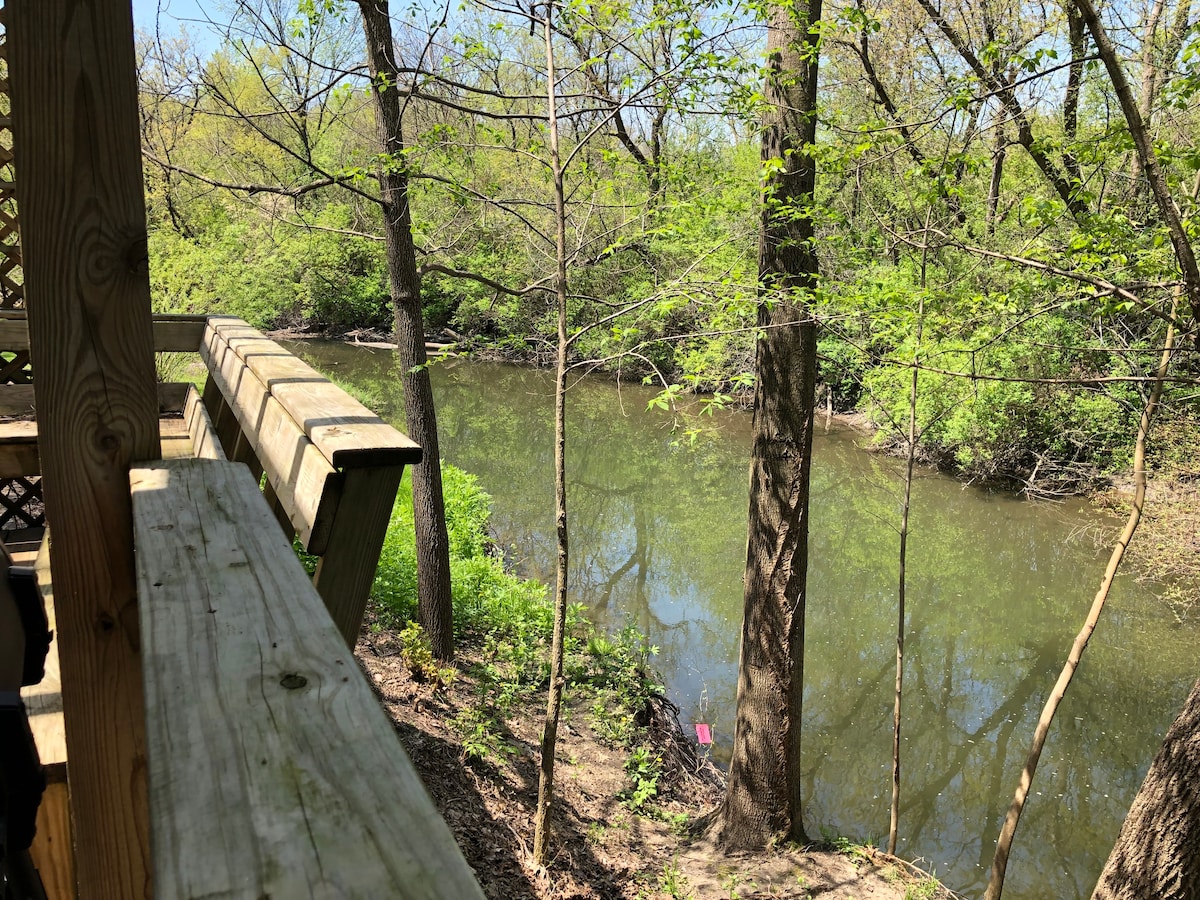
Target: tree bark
434	610
1077	40
763	799
1157	854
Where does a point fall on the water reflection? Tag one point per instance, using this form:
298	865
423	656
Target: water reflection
997	589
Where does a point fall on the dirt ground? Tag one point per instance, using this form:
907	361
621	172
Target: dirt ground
602	849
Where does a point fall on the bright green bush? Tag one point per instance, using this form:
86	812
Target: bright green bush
273	276
487	599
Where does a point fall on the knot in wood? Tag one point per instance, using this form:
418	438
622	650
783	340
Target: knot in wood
292	681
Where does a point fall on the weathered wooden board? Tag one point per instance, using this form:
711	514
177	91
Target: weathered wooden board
19	449
176	440
20	399
189	436
16	399
345	431
43	701
172	396
303	479
178	333
75	125
53	850
272	769
172	333
205	444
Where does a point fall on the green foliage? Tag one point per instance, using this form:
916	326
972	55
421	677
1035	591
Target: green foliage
417	654
923	889
481	739
616	668
1023	285
672	882
644	768
487	599
996	400
272	276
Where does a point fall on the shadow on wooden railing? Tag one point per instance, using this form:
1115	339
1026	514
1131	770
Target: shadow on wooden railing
272	770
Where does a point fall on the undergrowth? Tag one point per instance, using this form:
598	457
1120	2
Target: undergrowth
510	621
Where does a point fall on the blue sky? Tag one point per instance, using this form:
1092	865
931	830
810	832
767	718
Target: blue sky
177	13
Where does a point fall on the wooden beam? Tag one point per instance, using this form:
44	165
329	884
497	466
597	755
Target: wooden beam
19	450
172	333
16	399
303	479
178	333
205	444
347	569
20	399
346	432
192	435
273	771
83	230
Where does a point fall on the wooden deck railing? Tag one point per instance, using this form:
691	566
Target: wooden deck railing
272	771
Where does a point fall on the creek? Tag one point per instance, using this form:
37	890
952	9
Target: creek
997	589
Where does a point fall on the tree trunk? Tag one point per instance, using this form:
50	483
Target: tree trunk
999	152
902	575
1077	40
763	799
1157	854
541	819
1143	143
434	610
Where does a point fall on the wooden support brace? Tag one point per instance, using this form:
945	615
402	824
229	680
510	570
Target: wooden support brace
83	232
347	569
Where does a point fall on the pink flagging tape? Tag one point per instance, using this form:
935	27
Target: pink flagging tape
703	733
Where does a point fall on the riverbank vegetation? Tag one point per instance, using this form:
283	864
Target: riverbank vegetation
1018	227
973	231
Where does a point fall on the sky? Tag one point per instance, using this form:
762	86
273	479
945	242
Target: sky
176	14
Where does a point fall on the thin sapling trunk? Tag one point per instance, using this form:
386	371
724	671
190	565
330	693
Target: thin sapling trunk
894	826
541	835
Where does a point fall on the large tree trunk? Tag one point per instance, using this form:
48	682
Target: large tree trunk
1157	854
763	800
434	609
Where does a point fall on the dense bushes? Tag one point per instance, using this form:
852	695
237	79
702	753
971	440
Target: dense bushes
486	596
273	275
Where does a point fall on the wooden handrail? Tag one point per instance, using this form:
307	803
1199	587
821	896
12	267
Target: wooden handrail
347	433
273	771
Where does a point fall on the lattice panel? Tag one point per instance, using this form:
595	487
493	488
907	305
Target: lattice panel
21	503
12	280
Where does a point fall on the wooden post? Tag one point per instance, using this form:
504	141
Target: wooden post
83	224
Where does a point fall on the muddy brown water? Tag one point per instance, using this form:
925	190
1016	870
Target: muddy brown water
997	589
